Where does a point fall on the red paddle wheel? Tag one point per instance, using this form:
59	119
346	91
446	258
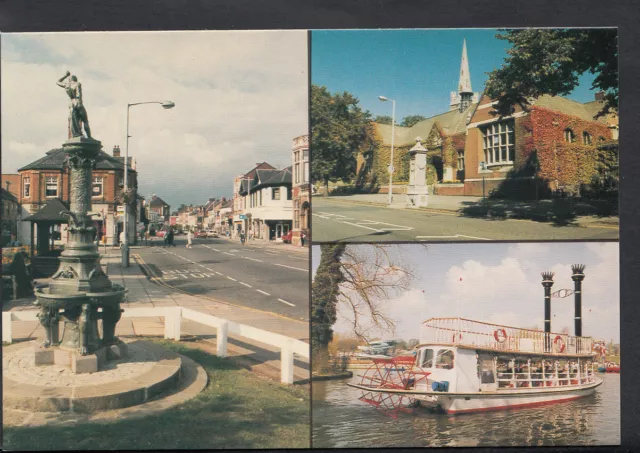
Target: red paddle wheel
399	373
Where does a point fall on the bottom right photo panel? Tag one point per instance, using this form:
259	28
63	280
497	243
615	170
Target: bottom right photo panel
464	345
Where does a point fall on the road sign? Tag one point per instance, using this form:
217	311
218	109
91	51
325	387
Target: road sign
242	216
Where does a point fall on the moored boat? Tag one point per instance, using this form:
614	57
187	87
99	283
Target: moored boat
464	366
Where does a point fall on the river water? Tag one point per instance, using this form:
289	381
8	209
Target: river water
340	420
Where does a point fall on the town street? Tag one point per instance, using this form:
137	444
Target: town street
267	278
346	221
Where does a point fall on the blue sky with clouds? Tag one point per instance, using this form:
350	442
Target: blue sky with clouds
500	283
417	68
241	97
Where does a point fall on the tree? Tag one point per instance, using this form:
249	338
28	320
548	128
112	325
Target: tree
361	278
340	129
383	119
549	61
410	120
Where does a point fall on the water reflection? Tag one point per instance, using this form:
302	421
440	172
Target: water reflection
340	420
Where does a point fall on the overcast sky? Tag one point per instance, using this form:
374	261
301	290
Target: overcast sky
241	98
501	283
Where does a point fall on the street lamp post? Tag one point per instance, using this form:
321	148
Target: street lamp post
393	123
125	244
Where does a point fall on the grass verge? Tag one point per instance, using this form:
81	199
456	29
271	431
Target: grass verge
237	409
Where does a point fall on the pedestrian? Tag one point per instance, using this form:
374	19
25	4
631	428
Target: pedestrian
242	237
165	238
170	239
189	237
303	236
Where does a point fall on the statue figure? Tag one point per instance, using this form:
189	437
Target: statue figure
77	113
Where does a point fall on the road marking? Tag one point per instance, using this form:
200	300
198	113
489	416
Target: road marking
246	284
285	302
263	292
252	259
227	253
453	237
231	278
219	273
209	269
291	267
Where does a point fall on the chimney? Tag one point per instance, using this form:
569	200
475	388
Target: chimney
599	96
116	151
547	282
577	277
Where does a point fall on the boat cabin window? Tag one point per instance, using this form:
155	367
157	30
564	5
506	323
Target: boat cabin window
444	359
486	371
427	358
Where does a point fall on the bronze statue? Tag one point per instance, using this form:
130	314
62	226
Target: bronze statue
77	113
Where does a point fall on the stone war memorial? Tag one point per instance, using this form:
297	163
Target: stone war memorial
82	366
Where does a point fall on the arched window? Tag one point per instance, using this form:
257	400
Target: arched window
586	138
569	136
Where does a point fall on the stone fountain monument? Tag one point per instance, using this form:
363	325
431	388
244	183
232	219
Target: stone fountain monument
417	194
80	293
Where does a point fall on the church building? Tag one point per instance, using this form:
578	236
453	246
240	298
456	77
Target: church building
556	144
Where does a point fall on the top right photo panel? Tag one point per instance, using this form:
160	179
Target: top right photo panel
464	135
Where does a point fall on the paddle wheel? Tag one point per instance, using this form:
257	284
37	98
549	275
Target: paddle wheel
400	373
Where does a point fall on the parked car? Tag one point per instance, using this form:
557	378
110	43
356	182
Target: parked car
199	234
161	233
286	238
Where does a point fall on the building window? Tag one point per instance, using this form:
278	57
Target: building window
586	138
98	186
51	187
569	136
289	193
26	183
305	154
275	193
305	172
296	172
498	143
460	160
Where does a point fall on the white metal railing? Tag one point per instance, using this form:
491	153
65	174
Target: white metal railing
466	332
289	347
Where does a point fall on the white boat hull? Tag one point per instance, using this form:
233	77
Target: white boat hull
462	404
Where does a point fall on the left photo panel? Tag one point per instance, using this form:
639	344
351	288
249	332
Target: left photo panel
155	240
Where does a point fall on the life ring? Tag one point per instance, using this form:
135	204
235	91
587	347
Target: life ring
457	338
559	343
500	335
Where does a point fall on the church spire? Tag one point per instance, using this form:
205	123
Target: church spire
464	85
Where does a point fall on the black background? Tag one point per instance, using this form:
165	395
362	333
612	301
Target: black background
96	15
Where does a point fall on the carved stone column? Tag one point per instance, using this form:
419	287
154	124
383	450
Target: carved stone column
417	192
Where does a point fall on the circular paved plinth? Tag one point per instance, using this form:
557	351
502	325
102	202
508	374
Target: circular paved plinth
149	371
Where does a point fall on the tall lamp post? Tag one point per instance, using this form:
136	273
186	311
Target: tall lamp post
393	123
125	244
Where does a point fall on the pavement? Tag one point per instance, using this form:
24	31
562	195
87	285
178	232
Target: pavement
145	292
369	217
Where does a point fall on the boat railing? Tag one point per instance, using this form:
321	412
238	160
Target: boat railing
466	332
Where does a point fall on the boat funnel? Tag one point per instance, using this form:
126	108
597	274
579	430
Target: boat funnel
547	282
577	277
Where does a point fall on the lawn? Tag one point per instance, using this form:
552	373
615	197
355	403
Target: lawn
237	409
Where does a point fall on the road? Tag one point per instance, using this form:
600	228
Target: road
261	277
347	221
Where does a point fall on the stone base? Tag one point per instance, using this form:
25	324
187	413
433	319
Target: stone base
90	363
152	372
417	197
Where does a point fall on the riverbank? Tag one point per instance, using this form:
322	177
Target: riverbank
237	409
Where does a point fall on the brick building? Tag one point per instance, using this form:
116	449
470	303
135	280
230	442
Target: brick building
47	180
555	144
300	189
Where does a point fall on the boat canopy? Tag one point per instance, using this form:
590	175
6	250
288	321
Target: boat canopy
471	334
